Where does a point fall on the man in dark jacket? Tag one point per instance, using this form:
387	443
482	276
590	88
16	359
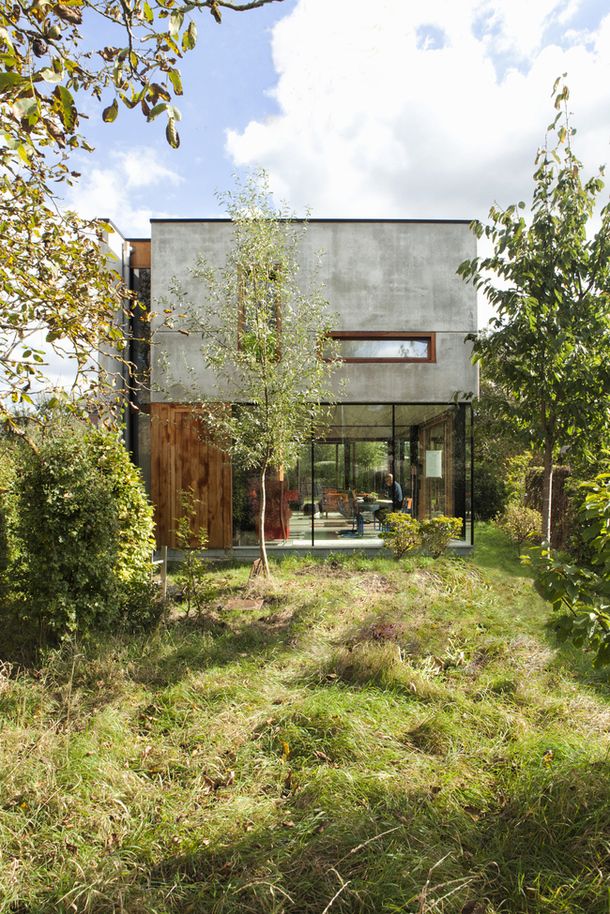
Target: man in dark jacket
393	490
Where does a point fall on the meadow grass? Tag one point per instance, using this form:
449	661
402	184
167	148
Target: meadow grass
379	737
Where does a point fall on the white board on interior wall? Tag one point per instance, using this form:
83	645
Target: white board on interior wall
434	464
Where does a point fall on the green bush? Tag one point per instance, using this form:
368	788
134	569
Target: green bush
7	552
436	533
83	528
403	534
521	524
490	491
580	589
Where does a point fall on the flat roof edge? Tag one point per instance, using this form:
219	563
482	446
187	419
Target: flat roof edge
304	219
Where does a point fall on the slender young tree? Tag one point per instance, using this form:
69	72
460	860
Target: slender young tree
548	277
266	340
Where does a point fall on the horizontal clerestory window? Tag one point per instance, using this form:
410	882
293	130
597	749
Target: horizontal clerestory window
384	346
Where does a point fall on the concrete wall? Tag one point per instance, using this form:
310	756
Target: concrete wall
378	276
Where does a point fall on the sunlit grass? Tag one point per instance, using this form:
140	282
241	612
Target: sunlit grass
378	737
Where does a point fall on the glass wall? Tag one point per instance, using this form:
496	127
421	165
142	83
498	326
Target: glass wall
371	459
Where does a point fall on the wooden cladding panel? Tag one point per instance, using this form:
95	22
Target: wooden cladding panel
140	254
181	458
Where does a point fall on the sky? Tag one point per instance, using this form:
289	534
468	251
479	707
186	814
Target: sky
392	108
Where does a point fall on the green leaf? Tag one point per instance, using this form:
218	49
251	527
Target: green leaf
50	75
110	113
189	39
174	78
171	134
10	80
67	109
175	24
156	111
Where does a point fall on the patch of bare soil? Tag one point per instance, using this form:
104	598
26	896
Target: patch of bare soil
247	604
325	570
382	630
277	620
372	582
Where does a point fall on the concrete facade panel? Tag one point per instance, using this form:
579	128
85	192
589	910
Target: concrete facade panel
378	276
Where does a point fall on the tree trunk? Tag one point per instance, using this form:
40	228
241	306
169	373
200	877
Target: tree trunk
547	491
262	502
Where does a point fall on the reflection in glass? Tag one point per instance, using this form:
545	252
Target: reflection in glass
414	348
339	487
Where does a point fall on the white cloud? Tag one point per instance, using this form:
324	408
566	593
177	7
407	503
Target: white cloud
419	110
113	192
142	168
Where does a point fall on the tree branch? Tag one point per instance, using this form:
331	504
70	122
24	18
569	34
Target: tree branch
240	7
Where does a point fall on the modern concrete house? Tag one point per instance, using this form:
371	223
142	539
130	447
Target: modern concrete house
402	316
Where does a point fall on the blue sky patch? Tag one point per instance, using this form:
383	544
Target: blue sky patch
430	38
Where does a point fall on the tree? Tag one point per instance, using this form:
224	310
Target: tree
58	294
47	65
499	438
263	338
549	345
60	301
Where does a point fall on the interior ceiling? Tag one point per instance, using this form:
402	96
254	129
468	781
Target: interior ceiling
372	422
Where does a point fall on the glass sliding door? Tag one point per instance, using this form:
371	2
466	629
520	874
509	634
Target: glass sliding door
350	465
372	459
288	497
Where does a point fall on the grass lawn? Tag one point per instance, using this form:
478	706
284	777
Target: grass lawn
377	737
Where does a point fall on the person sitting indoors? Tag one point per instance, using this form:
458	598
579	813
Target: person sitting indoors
392	489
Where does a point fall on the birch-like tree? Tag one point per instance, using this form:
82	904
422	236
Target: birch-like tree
265	333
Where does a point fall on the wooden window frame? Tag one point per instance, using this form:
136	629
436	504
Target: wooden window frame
386	335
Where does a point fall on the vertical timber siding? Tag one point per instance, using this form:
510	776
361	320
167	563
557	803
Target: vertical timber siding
181	458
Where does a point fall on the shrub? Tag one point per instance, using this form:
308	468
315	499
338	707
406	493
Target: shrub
192	577
403	534
84	532
436	533
490	491
580	591
521	524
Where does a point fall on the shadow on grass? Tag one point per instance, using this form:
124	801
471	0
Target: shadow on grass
539	845
578	663
187	645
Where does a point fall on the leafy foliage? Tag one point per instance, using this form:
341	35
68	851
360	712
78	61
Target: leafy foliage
490	491
60	299
192	577
548	278
521	524
499	438
579	589
403	534
59	296
84	532
406	533
47	64
262	339
437	532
